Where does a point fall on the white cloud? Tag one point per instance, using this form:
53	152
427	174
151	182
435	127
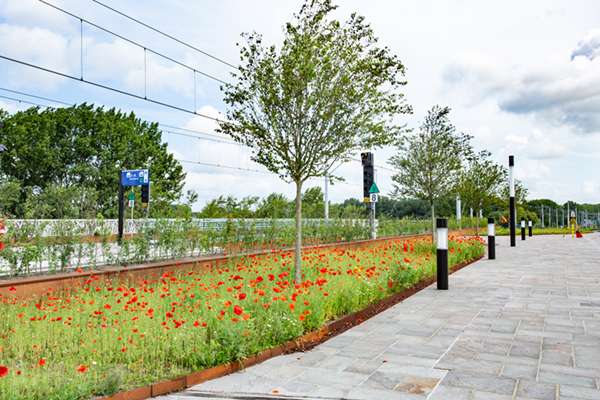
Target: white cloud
591	189
531	170
557	89
40	47
589	46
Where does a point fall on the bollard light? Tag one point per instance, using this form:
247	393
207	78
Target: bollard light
522	228
491	239
442	253
530	228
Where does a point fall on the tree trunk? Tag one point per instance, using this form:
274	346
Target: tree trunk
298	261
432	225
477	222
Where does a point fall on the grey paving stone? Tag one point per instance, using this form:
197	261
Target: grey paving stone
579	392
412	370
336	363
381	380
479	395
365	355
286	372
507	359
536	390
325	377
225	383
567	380
366	393
261	385
425	352
450	393
296	388
407	360
328	392
519	351
479	382
519	372
366	367
466	365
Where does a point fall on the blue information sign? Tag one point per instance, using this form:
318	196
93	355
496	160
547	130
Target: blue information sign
136	177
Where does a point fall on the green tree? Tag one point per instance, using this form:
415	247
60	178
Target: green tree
86	147
275	205
325	93
429	160
479	184
313	202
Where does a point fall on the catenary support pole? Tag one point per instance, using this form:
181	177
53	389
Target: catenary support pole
442	253
120	223
458	211
512	213
326	197
491	239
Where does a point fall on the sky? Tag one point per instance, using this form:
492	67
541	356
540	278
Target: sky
522	78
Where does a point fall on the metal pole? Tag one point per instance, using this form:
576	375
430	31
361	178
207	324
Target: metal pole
120	223
132	210
326	196
442	253
458	213
374	229
543	226
511	164
491	239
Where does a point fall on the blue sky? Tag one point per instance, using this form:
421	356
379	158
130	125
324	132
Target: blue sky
523	78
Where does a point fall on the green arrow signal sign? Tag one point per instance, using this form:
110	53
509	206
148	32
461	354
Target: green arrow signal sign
131	196
374	188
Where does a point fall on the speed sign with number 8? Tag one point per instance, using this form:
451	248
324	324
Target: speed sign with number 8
374	197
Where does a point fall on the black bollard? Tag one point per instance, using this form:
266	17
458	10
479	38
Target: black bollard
530	228
491	239
442	253
522	228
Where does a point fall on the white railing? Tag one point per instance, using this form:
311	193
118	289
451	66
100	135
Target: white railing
110	226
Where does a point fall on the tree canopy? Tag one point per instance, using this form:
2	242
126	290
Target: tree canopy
71	157
312	103
479	184
429	160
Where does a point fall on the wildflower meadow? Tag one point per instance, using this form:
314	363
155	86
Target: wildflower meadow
106	337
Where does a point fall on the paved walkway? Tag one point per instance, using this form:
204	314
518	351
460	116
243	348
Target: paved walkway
523	326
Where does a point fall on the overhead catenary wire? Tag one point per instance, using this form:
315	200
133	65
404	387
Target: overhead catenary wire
123	92
132	42
166	35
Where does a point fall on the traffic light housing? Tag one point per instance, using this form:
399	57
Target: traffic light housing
368	173
145	195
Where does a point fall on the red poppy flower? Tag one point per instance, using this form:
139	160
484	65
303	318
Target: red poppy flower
82	369
3	371
12	288
242	296
42	362
238	310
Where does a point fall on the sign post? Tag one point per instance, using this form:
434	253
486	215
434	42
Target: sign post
131	202
373	198
130	178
